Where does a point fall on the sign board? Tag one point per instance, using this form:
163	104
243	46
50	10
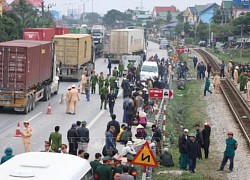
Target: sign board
156	93
175	57
180	50
168	94
145	157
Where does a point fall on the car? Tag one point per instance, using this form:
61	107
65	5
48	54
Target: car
149	70
202	43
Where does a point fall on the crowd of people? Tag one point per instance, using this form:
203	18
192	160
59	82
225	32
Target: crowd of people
135	99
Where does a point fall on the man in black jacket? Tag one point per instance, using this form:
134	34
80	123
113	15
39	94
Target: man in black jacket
72	137
166	158
199	140
114	123
83	133
206	138
111	101
183	159
157	137
192	151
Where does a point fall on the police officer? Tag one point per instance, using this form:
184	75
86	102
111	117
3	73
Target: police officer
26	136
96	163
115	72
104	95
74	97
67	99
111	100
101	82
94	80
121	68
104	171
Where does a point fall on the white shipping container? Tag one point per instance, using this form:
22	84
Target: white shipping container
125	41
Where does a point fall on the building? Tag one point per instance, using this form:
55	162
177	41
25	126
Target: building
169	30
200	13
240	8
160	12
36	3
226	10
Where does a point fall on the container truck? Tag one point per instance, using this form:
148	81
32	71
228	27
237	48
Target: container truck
41	34
126	42
74	55
98	32
27	74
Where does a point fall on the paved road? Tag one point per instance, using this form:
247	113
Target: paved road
42	124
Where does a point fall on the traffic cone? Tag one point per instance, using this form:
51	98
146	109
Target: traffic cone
18	132
62	100
79	89
49	109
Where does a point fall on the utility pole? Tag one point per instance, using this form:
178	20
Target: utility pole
241	43
1	7
42	4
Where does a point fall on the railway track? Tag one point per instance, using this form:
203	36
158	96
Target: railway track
235	101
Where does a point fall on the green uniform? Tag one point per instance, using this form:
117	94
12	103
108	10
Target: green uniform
104	95
107	81
104	172
230	147
94	80
243	82
55	139
115	73
118	169
101	82
112	82
95	164
121	69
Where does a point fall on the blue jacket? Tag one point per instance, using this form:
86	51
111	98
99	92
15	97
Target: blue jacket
110	144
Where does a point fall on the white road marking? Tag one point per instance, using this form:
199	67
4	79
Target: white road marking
99	115
95	119
33	117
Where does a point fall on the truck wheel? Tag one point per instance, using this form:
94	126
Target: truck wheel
27	107
49	92
33	103
45	94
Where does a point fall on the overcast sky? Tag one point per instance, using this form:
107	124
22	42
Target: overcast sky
102	6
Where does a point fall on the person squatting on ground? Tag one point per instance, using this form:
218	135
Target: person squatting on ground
231	146
166	158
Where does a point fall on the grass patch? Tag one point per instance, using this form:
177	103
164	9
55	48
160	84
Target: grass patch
231	54
186	109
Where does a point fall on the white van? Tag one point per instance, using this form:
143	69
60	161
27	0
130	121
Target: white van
149	70
46	165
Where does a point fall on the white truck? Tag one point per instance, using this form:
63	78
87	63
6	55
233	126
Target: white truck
98	33
126	42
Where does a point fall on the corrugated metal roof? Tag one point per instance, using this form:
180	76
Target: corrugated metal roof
72	36
159	9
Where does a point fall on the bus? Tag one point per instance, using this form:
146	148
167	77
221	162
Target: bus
46	165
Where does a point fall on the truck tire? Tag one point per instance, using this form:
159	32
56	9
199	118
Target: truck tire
27	107
33	103
49	92
45	94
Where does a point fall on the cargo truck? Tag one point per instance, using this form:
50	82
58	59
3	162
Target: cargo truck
98	32
74	55
126	42
27	74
